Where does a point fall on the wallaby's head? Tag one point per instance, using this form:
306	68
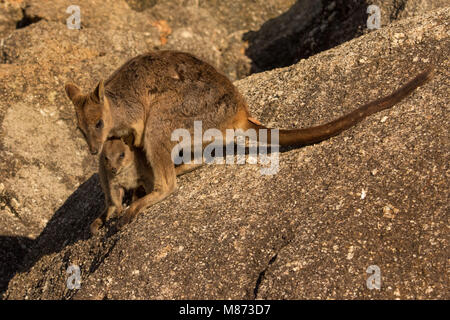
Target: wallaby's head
93	115
117	155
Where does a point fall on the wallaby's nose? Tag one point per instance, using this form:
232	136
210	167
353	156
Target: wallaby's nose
94	152
114	170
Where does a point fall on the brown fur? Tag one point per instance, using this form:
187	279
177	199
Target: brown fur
153	94
121	168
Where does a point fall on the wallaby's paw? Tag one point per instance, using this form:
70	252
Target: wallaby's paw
126	218
112	212
96	225
116	213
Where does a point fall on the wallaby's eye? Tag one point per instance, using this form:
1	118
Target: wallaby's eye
99	124
106	158
122	155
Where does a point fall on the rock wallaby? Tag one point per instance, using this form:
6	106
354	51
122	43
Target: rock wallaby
153	94
121	168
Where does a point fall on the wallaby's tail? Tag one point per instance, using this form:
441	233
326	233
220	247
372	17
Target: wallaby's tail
300	137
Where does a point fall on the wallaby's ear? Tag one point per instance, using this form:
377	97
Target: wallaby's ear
99	92
72	90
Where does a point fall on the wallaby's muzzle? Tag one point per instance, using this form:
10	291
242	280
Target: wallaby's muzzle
93	149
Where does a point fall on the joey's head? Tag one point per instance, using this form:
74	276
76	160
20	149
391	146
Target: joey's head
93	113
117	155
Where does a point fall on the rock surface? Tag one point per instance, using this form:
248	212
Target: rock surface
374	195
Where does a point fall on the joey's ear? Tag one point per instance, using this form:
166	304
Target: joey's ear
99	92
128	140
72	90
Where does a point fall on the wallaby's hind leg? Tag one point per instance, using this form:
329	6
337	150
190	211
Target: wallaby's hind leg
165	182
113	206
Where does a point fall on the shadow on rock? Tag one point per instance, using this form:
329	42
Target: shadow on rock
12	252
307	28
69	224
